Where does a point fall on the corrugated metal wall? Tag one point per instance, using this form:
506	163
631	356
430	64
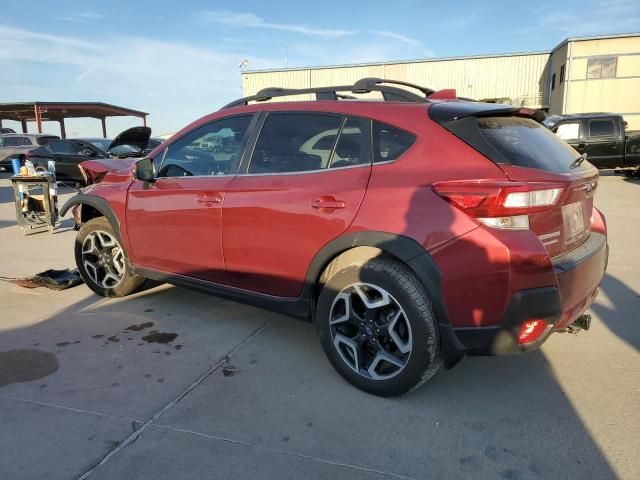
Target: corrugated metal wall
520	78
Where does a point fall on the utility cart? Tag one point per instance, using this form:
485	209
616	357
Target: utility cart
36	200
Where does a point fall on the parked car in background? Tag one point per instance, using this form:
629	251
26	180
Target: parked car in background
69	154
6	130
16	145
602	137
411	231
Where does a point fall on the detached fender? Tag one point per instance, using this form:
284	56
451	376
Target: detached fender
415	257
99	204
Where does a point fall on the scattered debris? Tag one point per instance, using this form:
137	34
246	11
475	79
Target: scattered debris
160	337
148	310
53	279
178	347
113	338
98	336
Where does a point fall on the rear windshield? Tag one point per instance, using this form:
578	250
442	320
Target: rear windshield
526	143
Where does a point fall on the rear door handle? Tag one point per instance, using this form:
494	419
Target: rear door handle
209	199
328	202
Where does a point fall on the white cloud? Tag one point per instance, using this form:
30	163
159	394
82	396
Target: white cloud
80	17
250	20
176	82
397	36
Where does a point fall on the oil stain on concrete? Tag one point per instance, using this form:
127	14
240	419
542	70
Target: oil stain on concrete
26	365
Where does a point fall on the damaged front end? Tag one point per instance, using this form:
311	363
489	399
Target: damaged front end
105	172
112	170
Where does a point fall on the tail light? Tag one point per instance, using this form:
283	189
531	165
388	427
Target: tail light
504	205
531	330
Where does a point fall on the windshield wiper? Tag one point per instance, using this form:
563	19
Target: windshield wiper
578	161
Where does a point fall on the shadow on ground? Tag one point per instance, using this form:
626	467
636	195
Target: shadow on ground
621	317
278	397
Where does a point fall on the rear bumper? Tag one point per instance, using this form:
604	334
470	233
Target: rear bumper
578	274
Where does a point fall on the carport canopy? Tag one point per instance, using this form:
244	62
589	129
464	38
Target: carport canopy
39	112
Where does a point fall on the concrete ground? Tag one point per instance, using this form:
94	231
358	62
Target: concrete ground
243	393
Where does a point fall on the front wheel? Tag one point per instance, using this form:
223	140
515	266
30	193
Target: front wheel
102	261
377	327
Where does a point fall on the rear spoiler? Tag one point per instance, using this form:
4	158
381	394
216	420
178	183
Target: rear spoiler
448	111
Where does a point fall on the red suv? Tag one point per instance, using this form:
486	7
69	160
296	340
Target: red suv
411	231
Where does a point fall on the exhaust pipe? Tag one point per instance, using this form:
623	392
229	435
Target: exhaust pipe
583	322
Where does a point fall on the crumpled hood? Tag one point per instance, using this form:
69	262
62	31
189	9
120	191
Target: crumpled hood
95	171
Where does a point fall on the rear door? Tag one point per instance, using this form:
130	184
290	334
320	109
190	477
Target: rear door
301	188
603	147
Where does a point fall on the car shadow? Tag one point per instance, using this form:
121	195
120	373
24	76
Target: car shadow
489	417
621	317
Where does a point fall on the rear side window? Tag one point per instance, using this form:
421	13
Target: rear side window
15	141
45	140
601	128
525	143
353	145
294	142
389	143
65	148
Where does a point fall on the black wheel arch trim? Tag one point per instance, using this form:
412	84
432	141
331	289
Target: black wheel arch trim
415	257
99	203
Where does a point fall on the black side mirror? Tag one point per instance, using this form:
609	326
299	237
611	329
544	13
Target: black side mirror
145	170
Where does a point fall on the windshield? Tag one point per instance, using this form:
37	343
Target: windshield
526	143
101	144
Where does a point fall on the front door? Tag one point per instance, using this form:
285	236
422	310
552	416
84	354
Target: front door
302	188
173	223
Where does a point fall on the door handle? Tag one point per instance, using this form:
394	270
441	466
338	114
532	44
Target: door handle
328	202
208	199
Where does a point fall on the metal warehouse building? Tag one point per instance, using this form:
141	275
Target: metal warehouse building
579	75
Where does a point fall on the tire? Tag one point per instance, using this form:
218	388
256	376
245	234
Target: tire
110	275
375	294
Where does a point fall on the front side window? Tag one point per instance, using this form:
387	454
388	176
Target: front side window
601	128
213	149
602	67
390	142
295	142
569	131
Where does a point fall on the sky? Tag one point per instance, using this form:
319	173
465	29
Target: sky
179	60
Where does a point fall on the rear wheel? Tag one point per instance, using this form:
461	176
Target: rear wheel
377	328
102	261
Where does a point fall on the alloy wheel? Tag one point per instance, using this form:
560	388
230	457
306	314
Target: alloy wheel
103	259
370	331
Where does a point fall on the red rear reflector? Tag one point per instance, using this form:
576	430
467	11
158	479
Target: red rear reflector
531	330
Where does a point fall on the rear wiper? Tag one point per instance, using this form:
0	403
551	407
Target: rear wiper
578	161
